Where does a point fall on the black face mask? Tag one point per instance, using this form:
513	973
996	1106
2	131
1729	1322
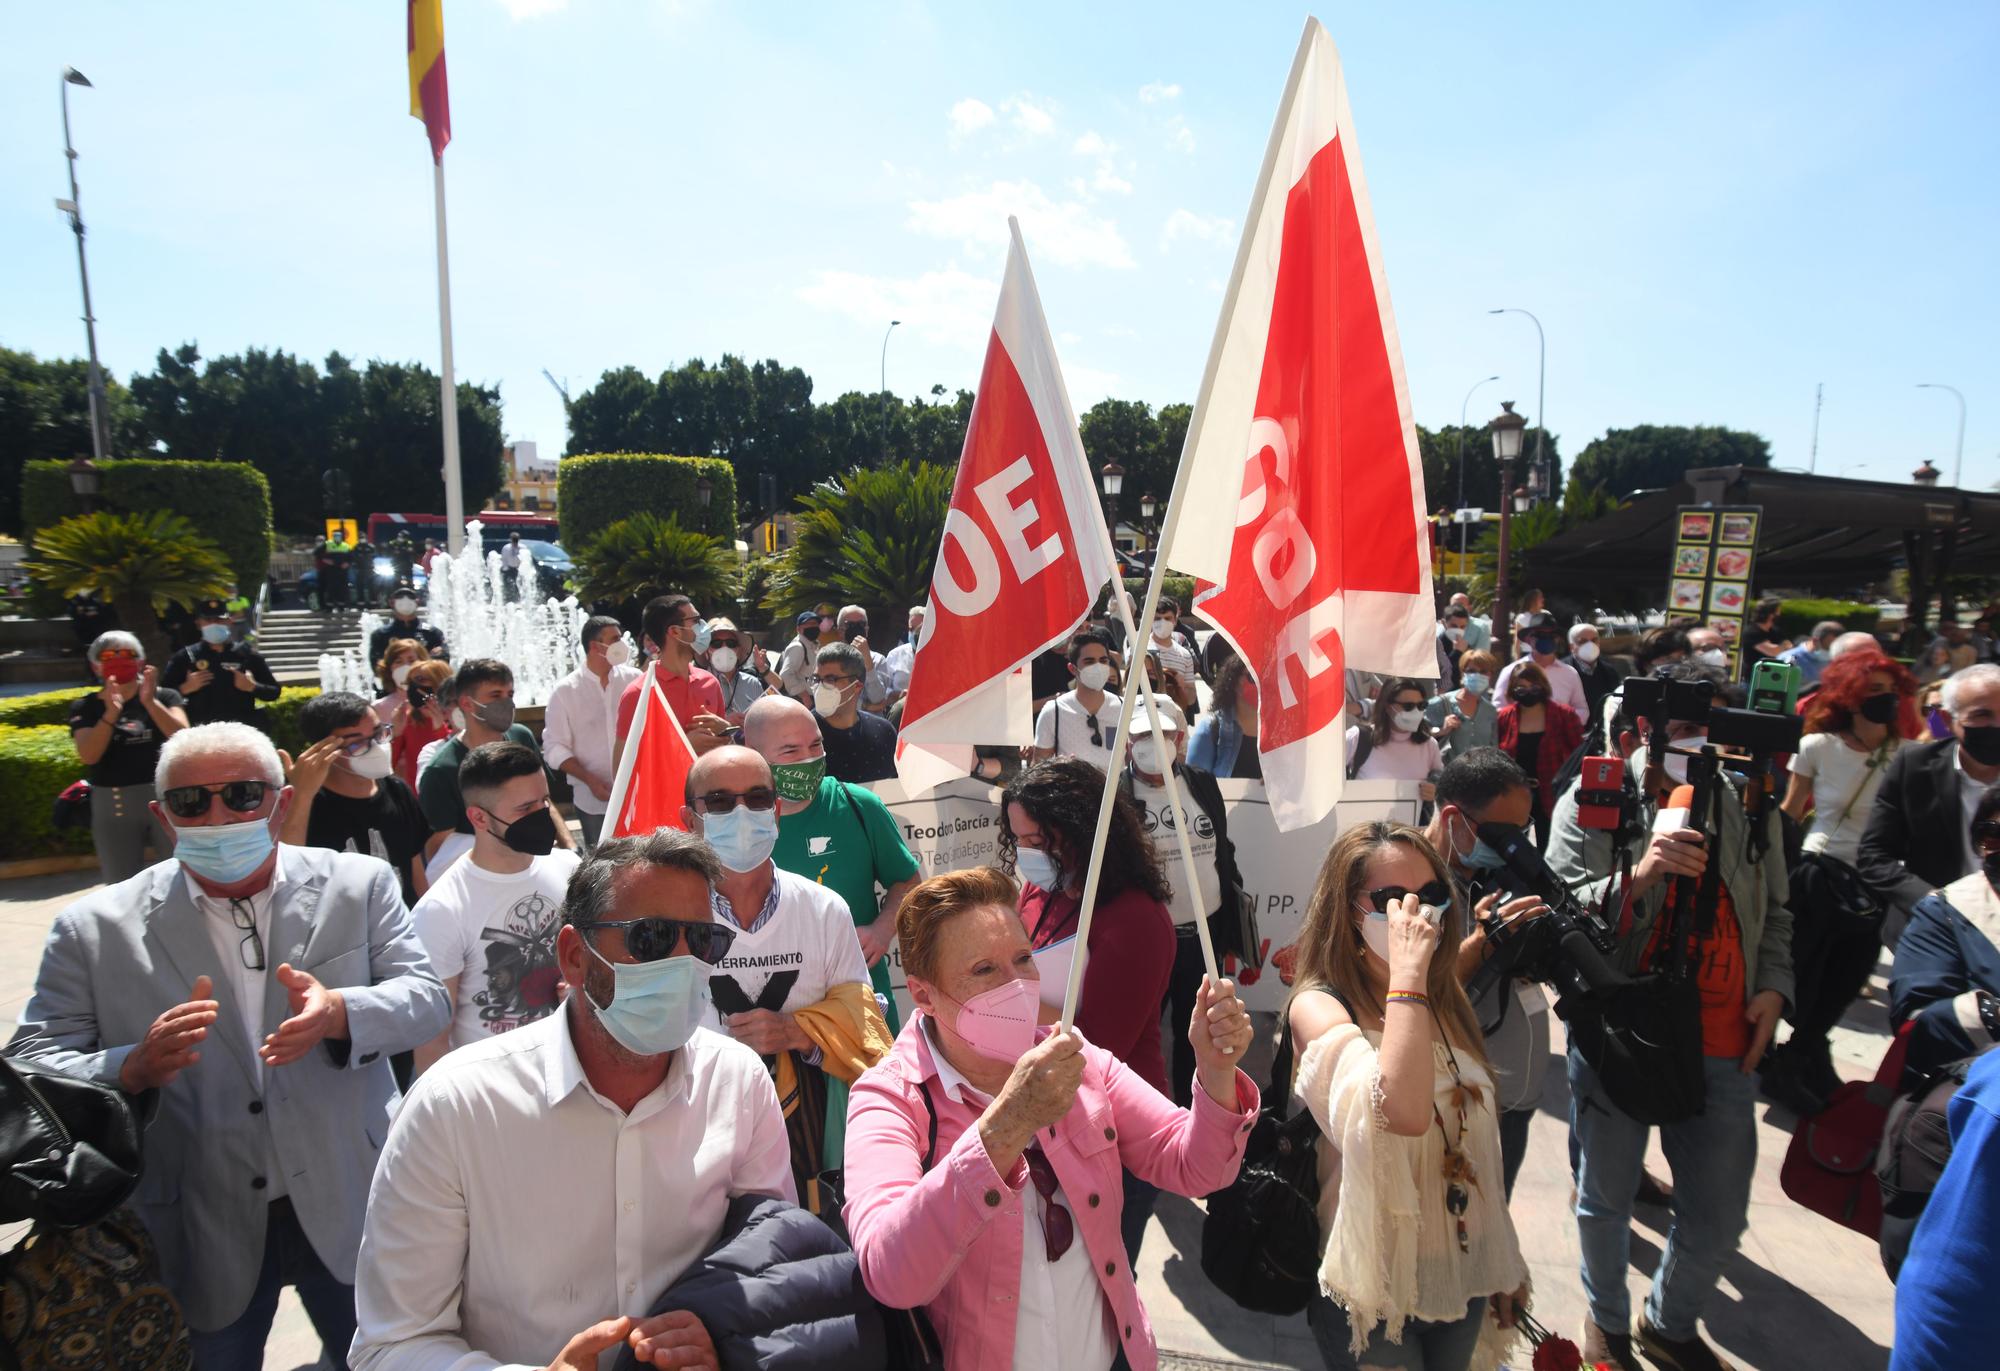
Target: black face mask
1543	646
810	633
1879	709
1528	697
533	835
1982	743
1990	864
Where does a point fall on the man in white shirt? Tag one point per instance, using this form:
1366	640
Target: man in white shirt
1174	653
489	924
903	656
800	657
580	727
1538	635
1082	722
541	1189
795	949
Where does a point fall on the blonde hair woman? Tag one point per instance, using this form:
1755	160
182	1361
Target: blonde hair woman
1416	1239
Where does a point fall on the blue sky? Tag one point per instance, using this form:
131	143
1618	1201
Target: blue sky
1711	207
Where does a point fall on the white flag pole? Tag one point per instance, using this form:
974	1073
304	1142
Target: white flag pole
621	781
1170	521
454	490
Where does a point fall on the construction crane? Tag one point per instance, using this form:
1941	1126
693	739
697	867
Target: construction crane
561	389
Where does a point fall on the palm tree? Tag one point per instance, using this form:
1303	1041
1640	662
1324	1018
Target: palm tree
646	555
868	538
136	563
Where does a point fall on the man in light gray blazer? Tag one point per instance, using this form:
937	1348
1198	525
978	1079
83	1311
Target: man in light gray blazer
250	996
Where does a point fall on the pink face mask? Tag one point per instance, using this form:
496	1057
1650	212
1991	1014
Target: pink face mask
1000	1023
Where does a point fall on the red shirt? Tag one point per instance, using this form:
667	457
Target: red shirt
698	692
1125	978
1725	1032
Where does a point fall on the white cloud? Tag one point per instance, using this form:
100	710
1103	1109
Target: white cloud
1092	144
1199	228
1107	178
1119	331
1110	181
949	307
1158	92
969	116
1179	135
1088	385
1066	232
1031	116
532	9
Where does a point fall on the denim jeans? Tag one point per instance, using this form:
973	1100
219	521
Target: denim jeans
1712	1157
289	1259
1425	1346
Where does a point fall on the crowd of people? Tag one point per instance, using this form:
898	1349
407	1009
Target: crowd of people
496	1089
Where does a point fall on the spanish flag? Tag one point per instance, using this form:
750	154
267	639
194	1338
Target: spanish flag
428	99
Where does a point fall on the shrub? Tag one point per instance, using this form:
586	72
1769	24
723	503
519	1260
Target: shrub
1797	617
597	490
869	537
139	564
34	711
36	764
228	502
638	558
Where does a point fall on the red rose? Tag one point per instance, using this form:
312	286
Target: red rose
1557	1354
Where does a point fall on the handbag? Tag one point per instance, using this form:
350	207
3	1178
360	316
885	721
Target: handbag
1260	1241
1830	1166
70	1149
72	807
90	1297
1828	887
1644	1044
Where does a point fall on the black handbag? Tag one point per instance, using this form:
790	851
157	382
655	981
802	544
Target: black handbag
70	1149
1643	1042
1826	887
1260	1241
72	807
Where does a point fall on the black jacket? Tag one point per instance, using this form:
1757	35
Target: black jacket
1915	839
778	1290
432	639
220	699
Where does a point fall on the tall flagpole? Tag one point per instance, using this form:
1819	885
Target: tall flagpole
454	491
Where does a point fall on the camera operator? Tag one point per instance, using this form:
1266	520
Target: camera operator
1484	785
1743	974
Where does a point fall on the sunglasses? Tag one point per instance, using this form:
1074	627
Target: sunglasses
118	654
191	801
1986	832
1058	1224
654	939
757	800
360	745
725	642
1436	893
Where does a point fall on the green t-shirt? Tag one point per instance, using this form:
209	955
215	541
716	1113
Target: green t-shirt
437	787
848	842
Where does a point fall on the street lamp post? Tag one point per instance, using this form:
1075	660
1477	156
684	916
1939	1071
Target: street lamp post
83	479
1506	427
1541	388
1112	477
885	388
1958	463
1458	459
100	409
1147	504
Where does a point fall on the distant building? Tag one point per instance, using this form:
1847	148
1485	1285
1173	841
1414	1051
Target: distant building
530	482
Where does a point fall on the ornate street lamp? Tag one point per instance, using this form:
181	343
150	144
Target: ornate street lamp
1506	428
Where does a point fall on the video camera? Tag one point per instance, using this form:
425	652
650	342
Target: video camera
1568	948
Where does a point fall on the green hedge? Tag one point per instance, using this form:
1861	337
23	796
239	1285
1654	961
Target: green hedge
228	501
596	490
1797	617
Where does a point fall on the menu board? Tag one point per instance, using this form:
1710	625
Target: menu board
1715	552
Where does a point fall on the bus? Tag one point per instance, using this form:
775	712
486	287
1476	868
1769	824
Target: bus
384	529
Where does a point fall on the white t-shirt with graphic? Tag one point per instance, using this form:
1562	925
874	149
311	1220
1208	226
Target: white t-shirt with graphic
1160	820
808	942
497	934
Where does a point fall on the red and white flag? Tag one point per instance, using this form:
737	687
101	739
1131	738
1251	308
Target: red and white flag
1302	499
650	788
1024	552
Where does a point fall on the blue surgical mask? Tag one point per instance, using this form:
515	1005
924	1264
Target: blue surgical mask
701	636
1482	857
224	853
215	633
742	838
1037	867
1478	682
655	1006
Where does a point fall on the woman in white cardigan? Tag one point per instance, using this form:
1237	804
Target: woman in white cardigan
1419	1257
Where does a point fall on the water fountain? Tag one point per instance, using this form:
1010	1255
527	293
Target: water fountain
467	602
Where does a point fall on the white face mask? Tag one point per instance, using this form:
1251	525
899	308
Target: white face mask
1675	764
723	659
618	653
1148	756
1712	656
827	699
404	606
401	674
1586	652
1162	629
1455	633
1406	720
1093	675
373	764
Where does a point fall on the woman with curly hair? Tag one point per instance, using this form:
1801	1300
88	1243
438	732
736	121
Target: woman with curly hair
1225	738
1864	711
1048	818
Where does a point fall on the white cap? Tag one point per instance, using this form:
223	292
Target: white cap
1142	723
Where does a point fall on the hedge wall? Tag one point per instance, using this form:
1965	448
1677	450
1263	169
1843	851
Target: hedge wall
596	490
228	501
38	759
1797	617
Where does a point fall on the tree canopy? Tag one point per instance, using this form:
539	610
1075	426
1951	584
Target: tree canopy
45	416
1654	456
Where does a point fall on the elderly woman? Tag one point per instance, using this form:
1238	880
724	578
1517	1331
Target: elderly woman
984	1153
118	732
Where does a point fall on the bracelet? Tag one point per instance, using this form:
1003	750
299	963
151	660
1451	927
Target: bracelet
1408	997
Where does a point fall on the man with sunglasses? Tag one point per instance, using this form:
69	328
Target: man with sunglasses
489	924
1083	721
860	746
346	795
673	633
590	1156
220	678
793	987
250	994
739	668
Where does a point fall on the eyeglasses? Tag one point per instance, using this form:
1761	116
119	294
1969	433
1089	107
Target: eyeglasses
1436	893
725	642
829	680
191	801
652	939
757	800
358	746
118	654
1058	1224
251	948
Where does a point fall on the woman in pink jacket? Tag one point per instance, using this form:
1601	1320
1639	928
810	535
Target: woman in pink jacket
985	1154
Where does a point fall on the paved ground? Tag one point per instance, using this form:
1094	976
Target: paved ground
1802	1293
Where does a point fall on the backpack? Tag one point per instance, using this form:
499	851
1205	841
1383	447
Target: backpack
1830	1166
1363	745
1916	1144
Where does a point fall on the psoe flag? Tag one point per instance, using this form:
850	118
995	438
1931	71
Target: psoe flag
650	788
1302	499
429	100
1024	551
